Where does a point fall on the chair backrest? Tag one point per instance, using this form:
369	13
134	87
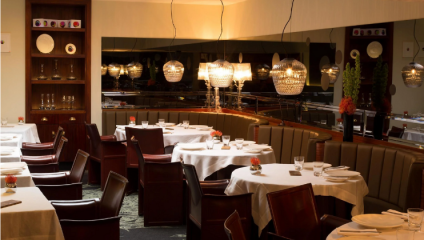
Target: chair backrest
136	146
113	195
193	183
233	227
62	143
150	140
77	170
57	138
132	158
93	134
294	213
396	132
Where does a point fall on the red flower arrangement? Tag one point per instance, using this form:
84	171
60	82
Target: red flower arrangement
216	133
10	178
339	120
132	119
347	106
122	103
20	118
255	161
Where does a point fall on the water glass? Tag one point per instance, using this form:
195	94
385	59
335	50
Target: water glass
239	143
318	168
226	139
324	122
4	121
298	163
144	124
186	124
209	144
161	122
415	218
404	234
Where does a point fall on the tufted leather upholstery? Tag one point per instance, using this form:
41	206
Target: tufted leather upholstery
393	175
288	142
230	124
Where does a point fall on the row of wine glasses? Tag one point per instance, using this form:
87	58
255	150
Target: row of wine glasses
55	74
67	102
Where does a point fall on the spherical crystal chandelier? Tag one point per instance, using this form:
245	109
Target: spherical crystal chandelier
123	70
104	69
114	70
413	75
289	76
220	73
262	71
332	70
173	71
134	70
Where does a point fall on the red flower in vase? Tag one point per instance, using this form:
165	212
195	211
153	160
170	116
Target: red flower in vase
132	119
10	178
347	106
216	133
122	103
255	161
20	118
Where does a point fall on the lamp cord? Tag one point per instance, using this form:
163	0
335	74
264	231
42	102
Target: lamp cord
175	32
282	34
134	44
222	14
415	23
331	43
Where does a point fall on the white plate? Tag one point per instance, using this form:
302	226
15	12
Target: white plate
167	124
245	143
374	49
310	165
5	152
205	129
258	147
336	179
13	165
11	171
191	146
343	173
378	221
45	43
252	150
198	126
359	238
5	138
70	48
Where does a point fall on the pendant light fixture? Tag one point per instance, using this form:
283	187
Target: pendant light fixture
413	73
114	70
289	75
203	75
173	69
220	72
104	69
242	73
134	69
331	70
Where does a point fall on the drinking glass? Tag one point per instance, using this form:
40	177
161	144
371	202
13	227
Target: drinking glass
324	122
415	218
298	163
4	121
318	168
144	124
161	122
404	234
209	144
226	139
186	124
239	143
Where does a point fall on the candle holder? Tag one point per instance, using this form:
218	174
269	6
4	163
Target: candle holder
48	102
56	75
42	76
69	102
71	74
53	107
42	102
64	102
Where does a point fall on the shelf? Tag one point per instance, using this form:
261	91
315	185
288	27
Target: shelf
56	111
49	29
42	55
57	82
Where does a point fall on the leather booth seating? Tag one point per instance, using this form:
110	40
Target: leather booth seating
393	176
237	126
288	142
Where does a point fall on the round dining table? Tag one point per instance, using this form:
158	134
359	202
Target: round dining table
276	177
208	162
171	135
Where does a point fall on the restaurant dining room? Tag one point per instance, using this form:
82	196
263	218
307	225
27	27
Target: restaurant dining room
212	120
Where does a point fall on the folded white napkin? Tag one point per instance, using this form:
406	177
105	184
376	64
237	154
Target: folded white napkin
11	171
13	165
357	232
336	168
395	213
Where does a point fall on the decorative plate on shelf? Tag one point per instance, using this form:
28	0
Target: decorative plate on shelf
354	53
45	43
70	48
374	49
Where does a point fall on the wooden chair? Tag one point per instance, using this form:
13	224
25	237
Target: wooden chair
91	219
233	227
295	214
396	132
160	197
40	149
45	163
208	212
63	185
106	155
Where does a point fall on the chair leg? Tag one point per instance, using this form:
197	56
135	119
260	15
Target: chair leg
140	200
93	172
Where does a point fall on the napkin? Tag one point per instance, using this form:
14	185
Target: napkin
336	168
357	232
167	132
395	213
11	171
13	165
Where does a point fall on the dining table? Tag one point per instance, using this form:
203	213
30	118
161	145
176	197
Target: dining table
173	134
276	177
14	155
32	219
413	135
11	140
24	178
208	162
28	131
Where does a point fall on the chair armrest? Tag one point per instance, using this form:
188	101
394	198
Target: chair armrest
108	138
37	152
157	158
114	148
39	159
71	191
28	145
214	187
226	205
76	209
274	236
43	168
169	149
49	178
329	223
104	228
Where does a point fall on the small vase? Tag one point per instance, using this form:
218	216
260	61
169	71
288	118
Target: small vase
131	124
378	125
255	169
21	122
347	128
11	187
216	140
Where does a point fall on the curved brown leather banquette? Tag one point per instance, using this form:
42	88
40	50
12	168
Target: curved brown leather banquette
230	124
393	175
288	142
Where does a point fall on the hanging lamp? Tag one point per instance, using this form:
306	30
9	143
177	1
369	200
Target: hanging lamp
413	73
263	71
331	69
203	75
103	69
114	70
173	70
242	73
289	75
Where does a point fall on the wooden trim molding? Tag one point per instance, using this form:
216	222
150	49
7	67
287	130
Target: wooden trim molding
320	152
422	190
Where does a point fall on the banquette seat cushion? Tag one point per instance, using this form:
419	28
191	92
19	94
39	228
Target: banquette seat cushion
237	126
288	142
393	176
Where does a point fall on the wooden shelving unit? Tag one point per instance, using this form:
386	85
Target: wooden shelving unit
48	120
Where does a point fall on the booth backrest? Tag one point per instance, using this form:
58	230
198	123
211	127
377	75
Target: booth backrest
288	142
237	126
393	176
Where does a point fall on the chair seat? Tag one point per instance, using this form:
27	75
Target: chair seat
50	178
39	159
27	145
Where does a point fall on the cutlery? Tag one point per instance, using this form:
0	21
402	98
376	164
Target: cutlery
359	231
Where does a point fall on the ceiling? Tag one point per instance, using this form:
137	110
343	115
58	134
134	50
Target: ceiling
201	2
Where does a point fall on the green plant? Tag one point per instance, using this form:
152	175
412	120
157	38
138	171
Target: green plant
153	71
351	80
379	84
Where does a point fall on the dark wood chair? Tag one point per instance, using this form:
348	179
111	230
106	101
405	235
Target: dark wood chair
233	227
106	155
295	214
160	197
92	219
63	185
396	132
40	149
209	207
45	163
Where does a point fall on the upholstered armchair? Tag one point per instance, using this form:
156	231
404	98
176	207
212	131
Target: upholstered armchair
40	149
92	219
45	163
63	185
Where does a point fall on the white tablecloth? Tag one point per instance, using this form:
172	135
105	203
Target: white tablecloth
15	156
16	140
28	131
413	135
178	135
207	162
33	219
24	179
276	177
